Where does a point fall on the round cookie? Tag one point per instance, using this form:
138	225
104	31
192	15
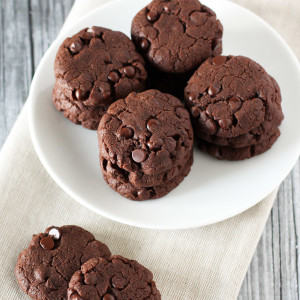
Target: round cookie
144	139
94	68
231	96
230	153
112	279
177	36
44	269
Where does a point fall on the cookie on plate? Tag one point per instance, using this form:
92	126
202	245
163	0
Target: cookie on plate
234	102
94	68
44	269
175	37
112	279
146	144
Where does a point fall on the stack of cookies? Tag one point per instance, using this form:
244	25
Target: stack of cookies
235	107
68	263
146	145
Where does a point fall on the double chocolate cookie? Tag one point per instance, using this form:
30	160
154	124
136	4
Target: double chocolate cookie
44	269
235	107
145	143
94	68
112	279
175	37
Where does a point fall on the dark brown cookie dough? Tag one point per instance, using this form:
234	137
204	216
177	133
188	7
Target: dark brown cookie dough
94	68
259	134
116	278
231	153
139	179
231	96
177	36
144	140
44	269
138	192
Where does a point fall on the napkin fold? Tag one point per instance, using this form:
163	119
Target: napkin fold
202	263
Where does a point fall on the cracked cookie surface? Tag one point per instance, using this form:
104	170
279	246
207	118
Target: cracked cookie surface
94	68
145	140
116	278
232	96
44	269
177	36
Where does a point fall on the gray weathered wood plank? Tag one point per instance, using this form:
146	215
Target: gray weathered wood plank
15	69
47	19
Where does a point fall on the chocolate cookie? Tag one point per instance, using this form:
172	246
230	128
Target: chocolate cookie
231	96
116	278
231	153
145	140
44	269
177	36
94	68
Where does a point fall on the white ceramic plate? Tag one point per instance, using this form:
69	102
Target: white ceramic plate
214	190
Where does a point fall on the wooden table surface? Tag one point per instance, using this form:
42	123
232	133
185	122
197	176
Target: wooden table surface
28	27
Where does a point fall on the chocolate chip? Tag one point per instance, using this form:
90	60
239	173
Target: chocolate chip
108	297
81	95
144	44
195	111
152	123
218	60
107	58
209	111
113	76
54	233
126	132
75	47
129	71
105	95
234	104
152	16
155	143
192	97
225	123
138	155
75	296
47	243
213	89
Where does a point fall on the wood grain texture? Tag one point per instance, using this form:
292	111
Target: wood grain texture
27	27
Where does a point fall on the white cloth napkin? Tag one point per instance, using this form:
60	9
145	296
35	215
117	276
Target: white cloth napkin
203	263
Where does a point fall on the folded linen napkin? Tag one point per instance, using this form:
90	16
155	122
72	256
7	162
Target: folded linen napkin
203	263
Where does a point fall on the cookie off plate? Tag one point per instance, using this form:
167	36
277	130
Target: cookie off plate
214	190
